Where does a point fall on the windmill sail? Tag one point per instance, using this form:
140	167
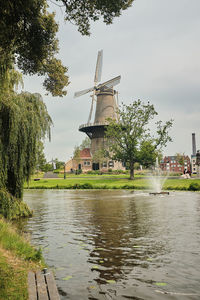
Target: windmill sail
98	71
83	92
91	109
110	83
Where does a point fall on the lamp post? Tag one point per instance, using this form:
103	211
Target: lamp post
64	171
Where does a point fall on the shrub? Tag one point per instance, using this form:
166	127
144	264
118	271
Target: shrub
86	186
194	186
79	171
11	207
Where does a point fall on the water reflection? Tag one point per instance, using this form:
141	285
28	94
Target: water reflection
118	244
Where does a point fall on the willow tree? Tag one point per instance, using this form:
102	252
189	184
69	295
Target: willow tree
24	121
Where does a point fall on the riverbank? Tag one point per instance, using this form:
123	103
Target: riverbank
17	257
101	182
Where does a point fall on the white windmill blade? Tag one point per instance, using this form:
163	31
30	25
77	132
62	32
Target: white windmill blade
83	92
110	83
91	109
97	76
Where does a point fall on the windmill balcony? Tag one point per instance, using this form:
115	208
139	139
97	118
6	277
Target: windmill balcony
93	124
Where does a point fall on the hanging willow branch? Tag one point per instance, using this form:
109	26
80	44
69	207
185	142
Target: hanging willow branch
24	121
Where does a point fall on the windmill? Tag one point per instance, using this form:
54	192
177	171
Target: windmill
97	88
106	106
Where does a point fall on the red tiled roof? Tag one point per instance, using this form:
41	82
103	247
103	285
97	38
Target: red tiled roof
85	153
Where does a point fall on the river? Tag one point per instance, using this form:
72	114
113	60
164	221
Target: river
115	244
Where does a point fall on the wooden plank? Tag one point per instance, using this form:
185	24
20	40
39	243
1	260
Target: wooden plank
41	286
32	291
51	285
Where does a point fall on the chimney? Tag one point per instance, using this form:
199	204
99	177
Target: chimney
194	150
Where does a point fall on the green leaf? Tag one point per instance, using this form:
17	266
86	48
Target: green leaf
160	284
110	281
67	277
95	267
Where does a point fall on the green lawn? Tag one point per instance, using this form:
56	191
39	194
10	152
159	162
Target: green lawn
110	182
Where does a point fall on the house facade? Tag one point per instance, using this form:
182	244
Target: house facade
85	163
193	164
171	164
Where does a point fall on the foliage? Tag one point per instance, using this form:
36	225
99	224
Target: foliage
28	39
76	155
28	35
180	158
148	153
136	166
24	121
194	186
86	143
59	164
12	208
81	12
99	156
78	172
40	156
130	140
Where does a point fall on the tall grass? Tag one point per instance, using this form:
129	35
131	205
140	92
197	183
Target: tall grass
10	240
17	257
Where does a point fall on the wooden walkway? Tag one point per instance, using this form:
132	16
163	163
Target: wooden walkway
42	286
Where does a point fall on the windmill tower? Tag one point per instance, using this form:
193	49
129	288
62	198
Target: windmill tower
106	106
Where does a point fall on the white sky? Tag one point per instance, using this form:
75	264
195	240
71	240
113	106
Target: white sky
155	47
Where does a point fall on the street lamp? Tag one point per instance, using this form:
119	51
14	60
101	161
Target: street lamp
64	171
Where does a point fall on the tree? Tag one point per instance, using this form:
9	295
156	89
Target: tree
81	12
28	35
86	143
180	158
99	157
40	157
76	155
28	39
59	164
148	153
130	140
24	121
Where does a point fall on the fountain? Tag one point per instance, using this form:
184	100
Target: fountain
157	181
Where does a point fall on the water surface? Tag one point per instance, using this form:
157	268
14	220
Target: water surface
119	244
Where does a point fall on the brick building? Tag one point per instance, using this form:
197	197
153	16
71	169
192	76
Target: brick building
85	163
193	164
171	164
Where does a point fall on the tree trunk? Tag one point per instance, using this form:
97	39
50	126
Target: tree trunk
131	171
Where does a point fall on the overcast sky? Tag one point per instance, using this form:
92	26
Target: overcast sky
155	47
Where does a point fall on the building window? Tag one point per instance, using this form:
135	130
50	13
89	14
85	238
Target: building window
86	163
111	164
104	164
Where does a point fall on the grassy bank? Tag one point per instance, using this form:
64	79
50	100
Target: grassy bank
17	257
113	182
